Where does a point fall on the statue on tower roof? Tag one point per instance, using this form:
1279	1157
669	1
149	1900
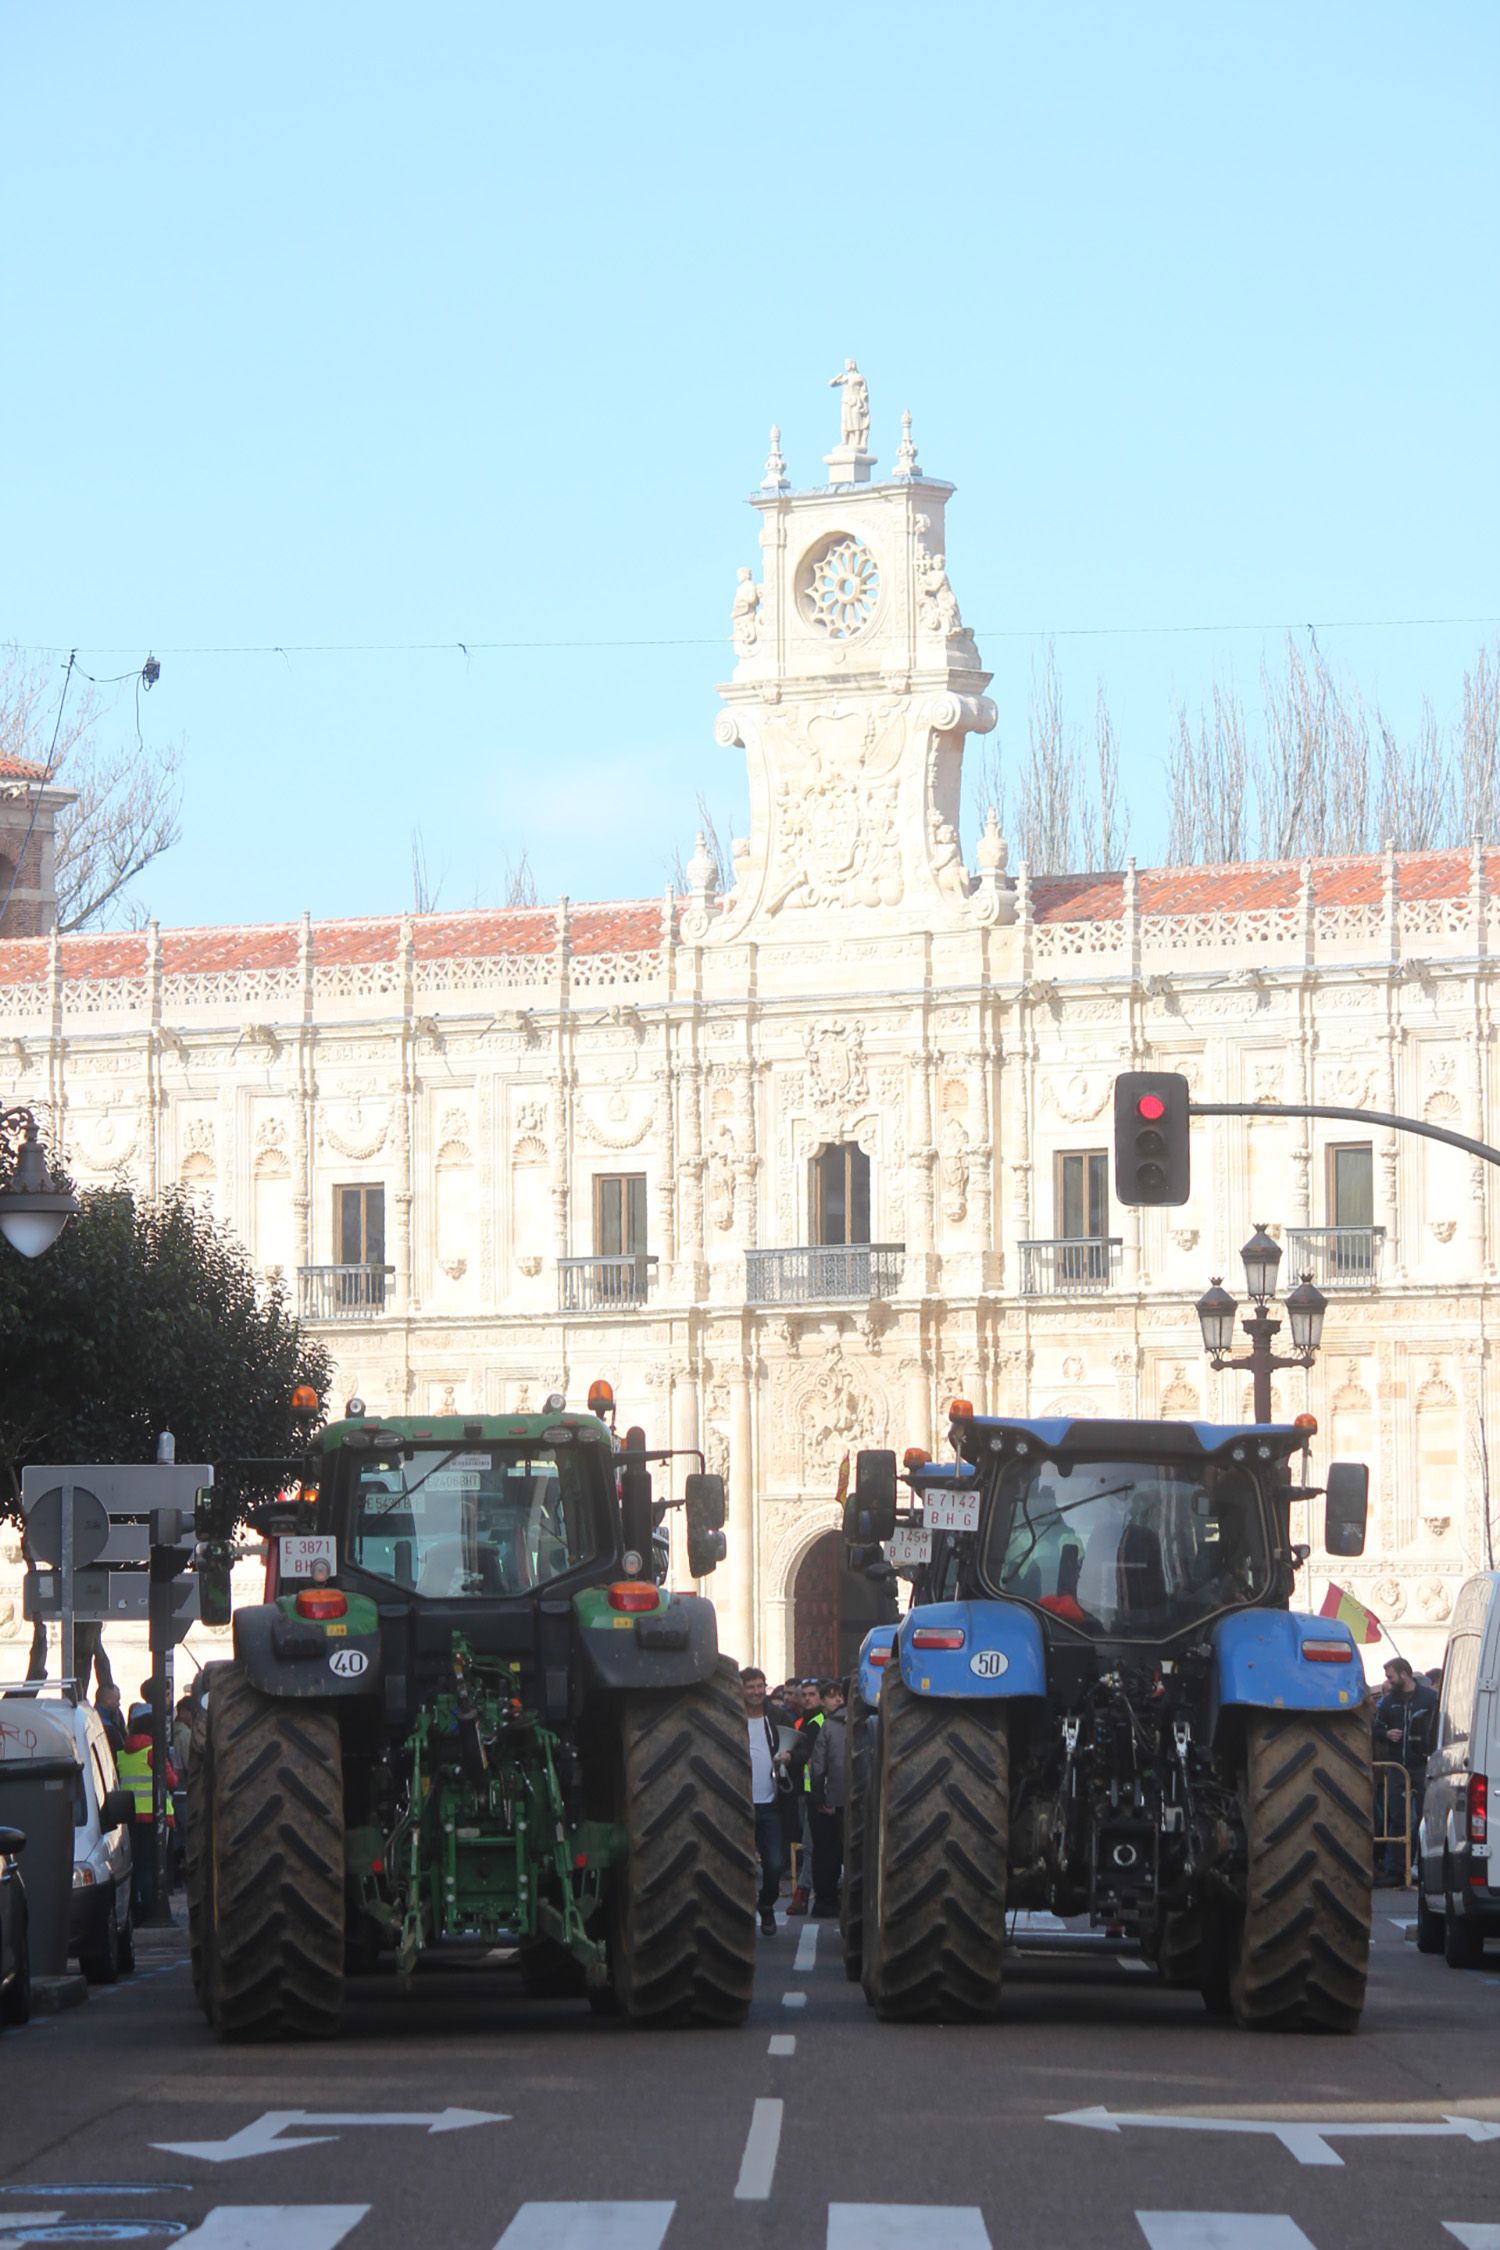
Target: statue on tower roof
854	420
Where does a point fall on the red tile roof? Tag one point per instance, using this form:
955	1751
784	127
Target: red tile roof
633	927
1248	886
20	769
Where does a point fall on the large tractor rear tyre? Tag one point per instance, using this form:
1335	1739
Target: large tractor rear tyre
682	1907
935	1859
859	1731
1304	1945
275	1965
198	1852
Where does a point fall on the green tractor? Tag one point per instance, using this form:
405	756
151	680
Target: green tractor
468	1714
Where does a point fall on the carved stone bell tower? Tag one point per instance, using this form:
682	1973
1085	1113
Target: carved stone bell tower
855	684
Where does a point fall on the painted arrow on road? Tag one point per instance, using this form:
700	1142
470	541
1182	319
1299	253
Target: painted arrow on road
263	2138
1307	2142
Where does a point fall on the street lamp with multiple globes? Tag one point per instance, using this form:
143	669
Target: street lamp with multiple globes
1305	1307
33	1208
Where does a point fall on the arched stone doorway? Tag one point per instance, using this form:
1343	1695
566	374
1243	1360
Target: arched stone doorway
832	1610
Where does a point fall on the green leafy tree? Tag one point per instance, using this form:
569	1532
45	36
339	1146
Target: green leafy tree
148	1316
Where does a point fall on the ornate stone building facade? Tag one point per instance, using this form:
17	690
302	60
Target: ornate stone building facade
794	1164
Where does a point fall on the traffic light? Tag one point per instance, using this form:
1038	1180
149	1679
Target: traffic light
1151	1137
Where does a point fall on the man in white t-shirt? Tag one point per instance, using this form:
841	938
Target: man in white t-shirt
770	1839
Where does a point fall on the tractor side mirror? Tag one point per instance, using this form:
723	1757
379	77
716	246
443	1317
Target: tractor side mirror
637	1521
706	1550
1346	1508
870	1513
707	1506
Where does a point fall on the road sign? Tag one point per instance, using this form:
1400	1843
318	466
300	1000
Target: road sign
127	1488
44	1526
263	2138
99	1595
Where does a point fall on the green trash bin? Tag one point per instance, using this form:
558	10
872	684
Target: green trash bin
38	1795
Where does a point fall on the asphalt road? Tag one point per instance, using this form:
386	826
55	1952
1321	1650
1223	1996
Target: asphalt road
814	2126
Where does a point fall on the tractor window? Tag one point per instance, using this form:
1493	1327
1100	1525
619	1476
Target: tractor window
1128	1550
477	1522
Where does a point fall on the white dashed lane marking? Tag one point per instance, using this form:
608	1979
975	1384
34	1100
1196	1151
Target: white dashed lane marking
758	2164
807	1949
794	1999
1479	2235
782	2043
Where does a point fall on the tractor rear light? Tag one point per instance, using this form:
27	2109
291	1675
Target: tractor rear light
960	1410
629	1593
377	1867
321	1602
879	1656
1478	1808
938	1636
915	1457
1328	1652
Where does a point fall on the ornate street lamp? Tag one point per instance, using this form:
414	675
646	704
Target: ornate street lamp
1216	1311
1261	1258
1305	1307
33	1209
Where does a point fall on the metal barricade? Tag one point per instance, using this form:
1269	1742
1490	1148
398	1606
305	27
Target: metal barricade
1388	1772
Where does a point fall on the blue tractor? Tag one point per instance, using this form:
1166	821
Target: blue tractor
1101	1703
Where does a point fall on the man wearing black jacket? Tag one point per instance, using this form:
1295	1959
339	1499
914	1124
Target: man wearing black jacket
1405	1726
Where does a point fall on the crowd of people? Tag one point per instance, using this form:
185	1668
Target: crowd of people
798	1779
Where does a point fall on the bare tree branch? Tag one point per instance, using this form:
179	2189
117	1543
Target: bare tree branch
126	810
520	883
425	893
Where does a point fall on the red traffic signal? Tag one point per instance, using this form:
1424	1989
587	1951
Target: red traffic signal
1151	1137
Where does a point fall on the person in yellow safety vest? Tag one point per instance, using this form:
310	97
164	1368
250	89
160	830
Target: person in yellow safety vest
134	1766
801	1757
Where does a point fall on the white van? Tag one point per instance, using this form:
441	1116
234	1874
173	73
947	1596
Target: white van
1458	1897
58	1725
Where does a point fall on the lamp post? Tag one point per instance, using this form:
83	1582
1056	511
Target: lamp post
1305	1307
33	1209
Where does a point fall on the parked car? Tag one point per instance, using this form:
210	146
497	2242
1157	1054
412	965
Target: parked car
1458	1896
15	1950
100	1933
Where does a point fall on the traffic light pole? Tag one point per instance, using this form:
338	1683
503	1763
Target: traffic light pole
1352	1116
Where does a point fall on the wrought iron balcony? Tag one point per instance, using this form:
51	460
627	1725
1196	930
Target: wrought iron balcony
343	1292
1336	1257
1075	1266
595	1284
819	1271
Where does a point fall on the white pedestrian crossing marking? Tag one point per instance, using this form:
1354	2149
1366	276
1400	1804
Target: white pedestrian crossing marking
1221	2230
275	2226
588	2226
1473	2234
758	2164
895	2226
807	1948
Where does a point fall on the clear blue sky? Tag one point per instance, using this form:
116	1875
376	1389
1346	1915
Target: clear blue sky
380	325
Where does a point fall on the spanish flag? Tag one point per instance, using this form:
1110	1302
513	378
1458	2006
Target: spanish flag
1362	1622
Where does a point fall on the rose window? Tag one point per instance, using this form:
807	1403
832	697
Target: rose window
840	588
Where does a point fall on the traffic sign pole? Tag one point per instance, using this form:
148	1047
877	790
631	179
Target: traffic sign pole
65	1565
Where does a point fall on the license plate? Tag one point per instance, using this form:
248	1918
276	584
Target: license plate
907	1546
301	1556
946	1511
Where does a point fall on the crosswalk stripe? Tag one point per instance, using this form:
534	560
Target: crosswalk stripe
275	2226
1221	2230
588	2226
1473	2234
895	2226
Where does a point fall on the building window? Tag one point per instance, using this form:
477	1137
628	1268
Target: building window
840	1194
1080	1191
359	1225
1351	1184
619	1214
